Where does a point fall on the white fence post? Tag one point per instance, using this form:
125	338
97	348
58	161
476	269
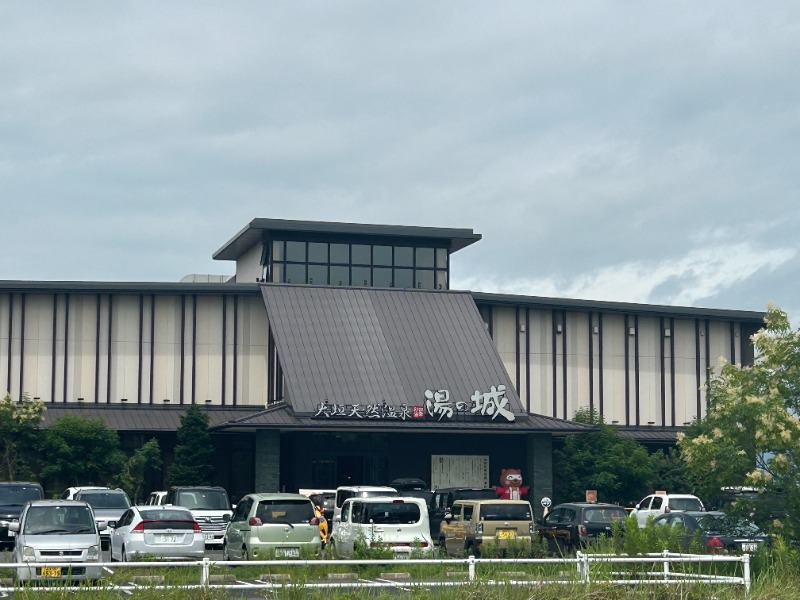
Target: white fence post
471	563
746	564
204	570
665	554
581	566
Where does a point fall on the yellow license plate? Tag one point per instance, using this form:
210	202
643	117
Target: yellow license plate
51	572
506	534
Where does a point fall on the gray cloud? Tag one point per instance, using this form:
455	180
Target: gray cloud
602	148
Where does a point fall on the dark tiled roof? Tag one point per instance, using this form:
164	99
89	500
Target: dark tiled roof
281	416
142	417
661	435
367	345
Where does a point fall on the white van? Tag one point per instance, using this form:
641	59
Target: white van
343	492
659	503
400	524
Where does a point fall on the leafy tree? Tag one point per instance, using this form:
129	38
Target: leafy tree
81	451
750	435
144	460
194	450
618	467
19	422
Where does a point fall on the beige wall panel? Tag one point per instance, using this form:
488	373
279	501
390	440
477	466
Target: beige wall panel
38	346
125	349
12	322
229	350
208	375
649	371
102	364
5	300
541	327
61	314
685	371
504	330
81	347
166	374
577	332
188	339
248	265
253	354
147	342
719	341
614	339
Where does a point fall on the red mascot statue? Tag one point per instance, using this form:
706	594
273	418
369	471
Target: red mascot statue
511	487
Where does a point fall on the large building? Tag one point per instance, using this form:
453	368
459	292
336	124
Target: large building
338	354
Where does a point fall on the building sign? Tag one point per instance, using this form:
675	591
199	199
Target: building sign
448	470
438	405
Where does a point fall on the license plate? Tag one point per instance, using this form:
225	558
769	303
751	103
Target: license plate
749	547
288	552
12	533
168	539
506	534
50	572
209	537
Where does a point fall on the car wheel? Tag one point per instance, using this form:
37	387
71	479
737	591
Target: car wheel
330	549
245	553
124	555
225	556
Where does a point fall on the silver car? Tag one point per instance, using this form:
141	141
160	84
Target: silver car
158	532
107	505
57	531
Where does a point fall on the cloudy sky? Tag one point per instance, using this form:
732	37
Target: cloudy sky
630	151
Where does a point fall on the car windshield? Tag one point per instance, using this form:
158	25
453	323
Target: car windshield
166	514
724	524
389	513
45	520
107	499
604	515
204	499
285	511
505	511
685	504
17	495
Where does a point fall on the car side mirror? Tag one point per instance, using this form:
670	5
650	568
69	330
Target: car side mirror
102	527
13	527
636	507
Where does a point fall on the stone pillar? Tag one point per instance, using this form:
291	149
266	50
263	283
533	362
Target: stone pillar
268	461
540	467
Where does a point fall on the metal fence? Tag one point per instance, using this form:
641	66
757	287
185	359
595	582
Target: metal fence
585	569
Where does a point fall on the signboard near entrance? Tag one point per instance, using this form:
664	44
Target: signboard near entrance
452	470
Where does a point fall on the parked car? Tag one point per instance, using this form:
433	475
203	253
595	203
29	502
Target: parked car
265	526
344	492
443	499
715	530
61	531
472	523
655	505
13	496
71	492
405	484
156	498
158	531
572	525
107	506
399	524
209	505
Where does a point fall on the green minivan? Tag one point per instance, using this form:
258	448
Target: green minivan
267	526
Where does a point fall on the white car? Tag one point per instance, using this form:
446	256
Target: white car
399	524
657	504
343	492
158	531
156	498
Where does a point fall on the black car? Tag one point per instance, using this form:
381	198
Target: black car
407	484
442	501
13	496
716	531
573	525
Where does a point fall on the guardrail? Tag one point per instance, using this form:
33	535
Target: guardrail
582	562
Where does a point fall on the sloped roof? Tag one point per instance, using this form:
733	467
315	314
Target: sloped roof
143	417
370	345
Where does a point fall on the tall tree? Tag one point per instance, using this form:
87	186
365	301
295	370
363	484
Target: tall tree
19	422
194	451
750	435
618	467
143	461
81	451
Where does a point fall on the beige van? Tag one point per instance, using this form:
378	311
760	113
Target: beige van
472	523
